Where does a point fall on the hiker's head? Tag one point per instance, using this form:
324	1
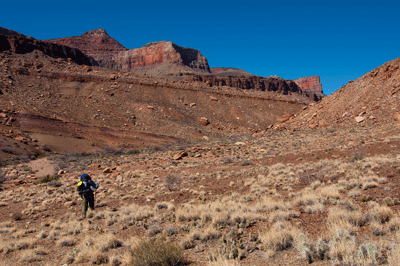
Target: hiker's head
86	176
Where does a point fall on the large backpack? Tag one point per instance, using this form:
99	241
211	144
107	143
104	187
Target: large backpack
82	185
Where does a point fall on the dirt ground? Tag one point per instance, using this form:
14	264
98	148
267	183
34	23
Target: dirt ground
278	167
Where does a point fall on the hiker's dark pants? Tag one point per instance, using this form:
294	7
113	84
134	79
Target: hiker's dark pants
87	200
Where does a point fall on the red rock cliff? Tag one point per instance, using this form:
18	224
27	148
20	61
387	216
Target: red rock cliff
160	52
23	45
312	83
96	44
258	83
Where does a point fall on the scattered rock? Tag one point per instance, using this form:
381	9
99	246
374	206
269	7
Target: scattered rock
359	119
95	166
18	182
213	99
69	204
180	155
204	121
107	170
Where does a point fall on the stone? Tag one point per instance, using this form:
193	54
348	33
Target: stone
69	204
95	166
180	155
204	121
213	99
359	119
107	170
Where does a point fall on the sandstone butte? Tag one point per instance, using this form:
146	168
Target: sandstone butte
96	44
312	83
160	52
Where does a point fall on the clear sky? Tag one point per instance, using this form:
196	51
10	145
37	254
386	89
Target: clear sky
337	40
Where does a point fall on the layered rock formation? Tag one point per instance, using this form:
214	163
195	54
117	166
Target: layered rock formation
23	45
229	71
96	44
258	83
160	53
312	83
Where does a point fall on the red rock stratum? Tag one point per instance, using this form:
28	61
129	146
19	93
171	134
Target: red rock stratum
160	52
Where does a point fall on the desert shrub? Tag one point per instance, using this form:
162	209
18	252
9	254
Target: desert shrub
279	237
47	179
7	149
171	182
227	160
113	151
132	152
245	163
46	148
357	156
156	253
2	177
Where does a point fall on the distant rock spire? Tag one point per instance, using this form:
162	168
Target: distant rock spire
97	33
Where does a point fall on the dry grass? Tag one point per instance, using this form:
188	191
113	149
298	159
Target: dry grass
156	253
279	237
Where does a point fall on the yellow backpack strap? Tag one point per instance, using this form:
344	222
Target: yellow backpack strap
80	183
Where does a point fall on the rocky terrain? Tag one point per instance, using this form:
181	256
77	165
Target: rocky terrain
221	168
372	99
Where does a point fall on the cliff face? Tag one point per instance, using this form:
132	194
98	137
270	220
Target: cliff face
96	44
158	53
258	83
23	45
312	83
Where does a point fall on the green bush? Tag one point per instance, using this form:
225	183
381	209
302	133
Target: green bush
47	179
156	253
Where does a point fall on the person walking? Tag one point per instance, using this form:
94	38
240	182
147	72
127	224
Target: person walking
86	187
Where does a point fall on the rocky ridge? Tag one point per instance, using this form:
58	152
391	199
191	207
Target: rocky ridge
96	44
372	99
23	45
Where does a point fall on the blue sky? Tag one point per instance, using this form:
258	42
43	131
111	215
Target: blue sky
337	40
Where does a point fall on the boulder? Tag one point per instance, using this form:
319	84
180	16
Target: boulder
204	121
359	119
180	155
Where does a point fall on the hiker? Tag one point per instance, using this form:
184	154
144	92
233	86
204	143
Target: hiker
86	187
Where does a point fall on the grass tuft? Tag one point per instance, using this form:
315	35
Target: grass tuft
156	253
47	179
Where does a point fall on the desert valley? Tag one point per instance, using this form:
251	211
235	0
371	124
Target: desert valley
196	165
